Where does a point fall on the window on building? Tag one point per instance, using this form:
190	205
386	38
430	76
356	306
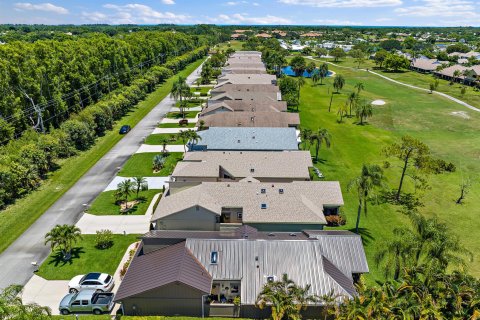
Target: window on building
263	190
214	257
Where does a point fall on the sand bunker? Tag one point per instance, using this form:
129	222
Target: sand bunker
378	103
461	114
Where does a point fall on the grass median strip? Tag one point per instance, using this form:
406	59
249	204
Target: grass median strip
15	219
86	258
157	139
141	164
107	204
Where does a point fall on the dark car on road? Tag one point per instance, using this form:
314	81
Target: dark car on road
125	129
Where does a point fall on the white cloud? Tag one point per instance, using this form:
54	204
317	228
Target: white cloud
235	3
133	13
239	18
343	3
169	2
48	7
336	22
440	8
383	19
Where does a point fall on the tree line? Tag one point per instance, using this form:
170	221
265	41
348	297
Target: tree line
59	78
25	162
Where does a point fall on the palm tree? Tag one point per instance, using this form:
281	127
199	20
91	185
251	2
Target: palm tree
352	101
318	138
338	82
300	83
322	71
370	178
180	91
12	307
158	162
359	86
164	142
363	111
456	74
285	298
63	237
315	76
124	190
342	111
141	184
305	136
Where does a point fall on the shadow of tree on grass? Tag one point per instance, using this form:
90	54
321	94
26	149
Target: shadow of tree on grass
58	261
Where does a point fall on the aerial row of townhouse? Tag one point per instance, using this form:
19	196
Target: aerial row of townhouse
240	211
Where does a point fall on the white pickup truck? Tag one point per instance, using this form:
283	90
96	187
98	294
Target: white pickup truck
88	301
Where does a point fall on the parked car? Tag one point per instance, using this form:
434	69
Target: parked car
124	129
94	280
89	301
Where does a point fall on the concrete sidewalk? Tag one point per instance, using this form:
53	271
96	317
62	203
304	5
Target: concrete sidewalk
159	148
46	293
168	120
171	130
153	182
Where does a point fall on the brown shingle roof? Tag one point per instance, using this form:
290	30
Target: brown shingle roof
252	119
161	267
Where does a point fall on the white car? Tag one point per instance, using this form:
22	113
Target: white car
100	282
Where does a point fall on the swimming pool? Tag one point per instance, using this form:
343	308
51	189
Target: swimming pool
289	72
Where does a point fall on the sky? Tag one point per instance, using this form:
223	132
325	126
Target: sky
245	12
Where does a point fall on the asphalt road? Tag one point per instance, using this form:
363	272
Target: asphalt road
16	262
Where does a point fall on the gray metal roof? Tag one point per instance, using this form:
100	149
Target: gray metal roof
252	261
226	138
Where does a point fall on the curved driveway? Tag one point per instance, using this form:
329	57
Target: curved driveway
16	261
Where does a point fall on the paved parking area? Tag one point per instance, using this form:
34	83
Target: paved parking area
49	293
45	292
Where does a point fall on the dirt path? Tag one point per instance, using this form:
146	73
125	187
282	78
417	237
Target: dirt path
404	84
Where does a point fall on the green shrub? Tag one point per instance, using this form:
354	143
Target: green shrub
104	239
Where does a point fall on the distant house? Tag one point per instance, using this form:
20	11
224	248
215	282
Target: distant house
254	139
263	35
215	106
200	274
425	65
238	36
233	166
281	206
252	119
311	34
467	74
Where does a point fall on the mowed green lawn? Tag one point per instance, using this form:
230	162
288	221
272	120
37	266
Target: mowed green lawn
86	258
106	203
421	80
18	217
157	139
140	164
407	112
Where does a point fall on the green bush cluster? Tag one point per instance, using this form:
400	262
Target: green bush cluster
103	239
28	160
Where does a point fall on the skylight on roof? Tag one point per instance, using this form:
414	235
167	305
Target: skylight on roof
263	206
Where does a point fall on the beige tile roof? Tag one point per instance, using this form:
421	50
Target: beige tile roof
241	106
244	71
450	70
287	164
245	66
427	64
300	202
247	79
248	96
252	119
250	58
263	35
227	87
